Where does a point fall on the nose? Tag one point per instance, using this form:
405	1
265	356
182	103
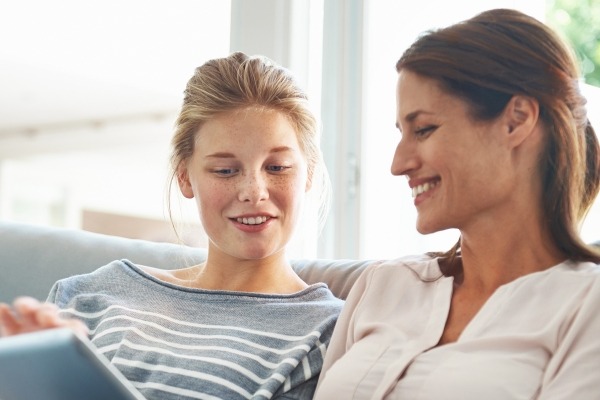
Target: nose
253	188
405	158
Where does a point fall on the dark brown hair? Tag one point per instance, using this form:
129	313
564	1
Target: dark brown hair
489	58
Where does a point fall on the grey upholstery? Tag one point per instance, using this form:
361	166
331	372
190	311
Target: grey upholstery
33	257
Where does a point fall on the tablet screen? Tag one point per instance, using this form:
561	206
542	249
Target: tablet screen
57	364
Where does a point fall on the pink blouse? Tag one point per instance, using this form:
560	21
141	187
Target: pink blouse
537	337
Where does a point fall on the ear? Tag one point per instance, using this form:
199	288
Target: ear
183	179
521	115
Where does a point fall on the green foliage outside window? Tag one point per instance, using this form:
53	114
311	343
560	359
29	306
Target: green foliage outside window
579	23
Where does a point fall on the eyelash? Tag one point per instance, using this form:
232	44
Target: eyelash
425	130
277	168
225	171
270	168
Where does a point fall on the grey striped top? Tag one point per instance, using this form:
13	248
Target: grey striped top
173	342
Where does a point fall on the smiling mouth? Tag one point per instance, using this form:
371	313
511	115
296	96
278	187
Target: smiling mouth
425	187
253	220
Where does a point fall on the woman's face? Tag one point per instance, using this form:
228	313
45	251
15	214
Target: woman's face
458	169
248	176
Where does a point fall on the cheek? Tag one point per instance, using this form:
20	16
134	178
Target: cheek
211	197
289	191
443	154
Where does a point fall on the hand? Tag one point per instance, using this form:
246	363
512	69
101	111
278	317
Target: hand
28	315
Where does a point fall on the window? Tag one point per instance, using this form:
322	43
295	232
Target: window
89	96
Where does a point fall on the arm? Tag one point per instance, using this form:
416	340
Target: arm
573	369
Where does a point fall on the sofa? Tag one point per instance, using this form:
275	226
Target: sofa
33	257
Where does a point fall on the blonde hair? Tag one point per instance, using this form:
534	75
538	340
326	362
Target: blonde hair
239	81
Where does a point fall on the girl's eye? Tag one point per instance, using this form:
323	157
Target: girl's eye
277	168
424	131
225	171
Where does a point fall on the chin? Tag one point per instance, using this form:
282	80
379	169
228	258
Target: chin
425	228
256	254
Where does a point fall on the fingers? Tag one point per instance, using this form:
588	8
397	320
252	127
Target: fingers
28	314
26	304
34	315
19	318
8	321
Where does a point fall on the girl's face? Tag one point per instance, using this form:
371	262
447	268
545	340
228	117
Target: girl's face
458	169
248	176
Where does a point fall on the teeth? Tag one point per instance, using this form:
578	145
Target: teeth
252	220
417	190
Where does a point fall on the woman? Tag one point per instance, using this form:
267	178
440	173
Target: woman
495	142
242	324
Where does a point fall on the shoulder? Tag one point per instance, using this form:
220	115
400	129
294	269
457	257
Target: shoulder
572	284
106	272
421	266
318	296
108	277
572	273
579	276
412	276
584	268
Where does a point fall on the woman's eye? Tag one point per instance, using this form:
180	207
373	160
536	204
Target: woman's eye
425	130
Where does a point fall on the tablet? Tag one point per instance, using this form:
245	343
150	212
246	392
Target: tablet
58	364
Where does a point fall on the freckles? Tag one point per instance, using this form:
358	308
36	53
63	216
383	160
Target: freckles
288	185
287	191
214	191
281	183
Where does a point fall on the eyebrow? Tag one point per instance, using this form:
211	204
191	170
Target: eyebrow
410	117
277	149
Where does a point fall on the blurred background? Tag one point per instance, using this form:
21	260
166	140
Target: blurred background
89	92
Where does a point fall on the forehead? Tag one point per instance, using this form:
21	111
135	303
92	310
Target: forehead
416	94
245	128
413	90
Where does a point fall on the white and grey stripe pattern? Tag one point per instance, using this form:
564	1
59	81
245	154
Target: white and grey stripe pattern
179	343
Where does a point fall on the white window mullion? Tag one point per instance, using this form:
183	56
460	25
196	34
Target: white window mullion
341	111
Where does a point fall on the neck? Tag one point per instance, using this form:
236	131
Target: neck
496	257
272	274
